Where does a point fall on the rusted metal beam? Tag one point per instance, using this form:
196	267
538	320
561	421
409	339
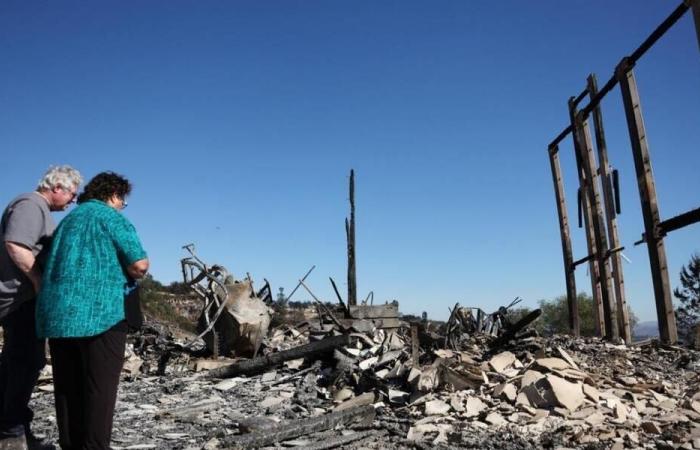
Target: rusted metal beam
609	203
350	232
582	133
591	242
261	363
574	324
650	208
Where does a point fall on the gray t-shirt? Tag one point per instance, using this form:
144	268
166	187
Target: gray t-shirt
26	221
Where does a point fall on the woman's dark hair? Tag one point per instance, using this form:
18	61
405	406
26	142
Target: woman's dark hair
103	186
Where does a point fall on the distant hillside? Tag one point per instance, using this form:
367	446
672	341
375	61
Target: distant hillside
646	329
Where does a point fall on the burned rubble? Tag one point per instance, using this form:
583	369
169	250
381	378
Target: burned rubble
314	385
358	376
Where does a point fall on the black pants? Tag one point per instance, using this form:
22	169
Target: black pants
86	375
20	363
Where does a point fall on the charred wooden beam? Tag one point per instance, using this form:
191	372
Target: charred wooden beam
415	349
257	365
303	427
611	222
679	221
695	4
591	242
564	232
342	441
643	47
350	232
583	134
650	208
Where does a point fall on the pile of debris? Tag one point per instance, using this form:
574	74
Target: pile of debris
358	376
315	387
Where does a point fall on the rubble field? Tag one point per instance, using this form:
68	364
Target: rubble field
314	387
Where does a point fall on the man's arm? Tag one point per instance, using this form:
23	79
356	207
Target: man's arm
138	269
24	260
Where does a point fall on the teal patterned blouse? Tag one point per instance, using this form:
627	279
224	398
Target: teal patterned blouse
82	292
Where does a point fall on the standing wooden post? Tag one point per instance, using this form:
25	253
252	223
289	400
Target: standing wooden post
583	133
591	245
350	233
650	208
695	4
608	200
569	268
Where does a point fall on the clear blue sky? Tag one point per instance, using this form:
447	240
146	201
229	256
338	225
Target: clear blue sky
238	123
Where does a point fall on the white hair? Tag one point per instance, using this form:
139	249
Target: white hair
59	176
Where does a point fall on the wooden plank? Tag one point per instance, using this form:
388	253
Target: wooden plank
574	324
650	209
609	203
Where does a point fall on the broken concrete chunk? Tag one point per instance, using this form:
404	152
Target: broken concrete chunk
367	363
567	357
456	403
502	361
523	401
553	363
398	397
269	376
495	419
591	392
474	406
361	400
429	379
436	408
595	419
567	394
530	377
342	395
505	390
294	364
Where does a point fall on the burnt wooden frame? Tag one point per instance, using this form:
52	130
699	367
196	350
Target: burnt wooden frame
655	229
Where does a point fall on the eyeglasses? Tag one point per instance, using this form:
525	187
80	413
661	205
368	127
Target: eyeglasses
72	193
124	203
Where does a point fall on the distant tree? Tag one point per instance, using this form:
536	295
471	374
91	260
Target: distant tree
148	283
688	311
555	315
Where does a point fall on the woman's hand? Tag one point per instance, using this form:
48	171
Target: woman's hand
138	269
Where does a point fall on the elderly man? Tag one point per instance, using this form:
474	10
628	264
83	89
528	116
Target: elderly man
26	230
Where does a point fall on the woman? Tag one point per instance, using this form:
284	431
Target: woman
95	251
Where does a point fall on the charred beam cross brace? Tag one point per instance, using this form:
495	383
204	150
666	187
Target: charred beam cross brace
591	241
574	325
650	207
611	221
